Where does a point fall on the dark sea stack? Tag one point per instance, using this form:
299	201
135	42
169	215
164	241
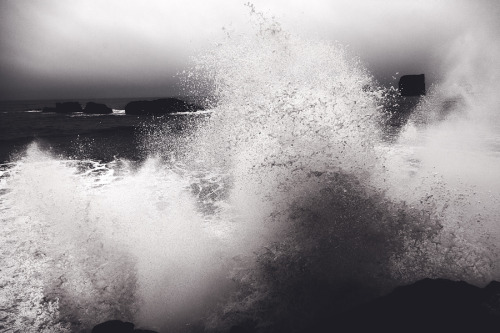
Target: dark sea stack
412	85
118	326
137	107
68	107
160	107
49	109
429	305
97	108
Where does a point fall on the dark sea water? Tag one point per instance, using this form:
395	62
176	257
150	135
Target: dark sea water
101	137
304	190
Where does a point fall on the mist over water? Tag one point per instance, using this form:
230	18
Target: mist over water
453	136
287	200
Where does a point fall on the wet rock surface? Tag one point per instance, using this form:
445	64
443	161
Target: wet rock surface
118	326
429	305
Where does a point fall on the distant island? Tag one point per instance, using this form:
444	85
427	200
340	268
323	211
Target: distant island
161	106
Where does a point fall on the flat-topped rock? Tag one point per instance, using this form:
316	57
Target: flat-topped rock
97	108
160	107
412	85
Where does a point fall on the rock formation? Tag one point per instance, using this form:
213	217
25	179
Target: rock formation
412	85
160	107
65	107
117	326
429	305
97	108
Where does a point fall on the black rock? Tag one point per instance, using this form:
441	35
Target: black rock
160	107
137	107
49	109
97	108
412	85
114	326
241	329
68	107
428	306
118	326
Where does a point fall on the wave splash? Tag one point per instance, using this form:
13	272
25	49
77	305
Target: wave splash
282	206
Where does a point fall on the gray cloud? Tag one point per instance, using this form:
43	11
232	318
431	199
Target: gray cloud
86	48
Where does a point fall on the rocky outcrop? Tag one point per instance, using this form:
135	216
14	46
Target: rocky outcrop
66	107
97	108
412	85
160	107
49	109
137	107
117	326
429	306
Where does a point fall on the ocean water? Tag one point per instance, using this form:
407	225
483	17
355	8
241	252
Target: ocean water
298	195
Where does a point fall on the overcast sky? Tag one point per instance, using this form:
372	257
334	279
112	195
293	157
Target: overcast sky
125	48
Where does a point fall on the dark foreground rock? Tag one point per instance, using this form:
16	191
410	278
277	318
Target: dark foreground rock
428	306
160	107
117	326
66	107
97	108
